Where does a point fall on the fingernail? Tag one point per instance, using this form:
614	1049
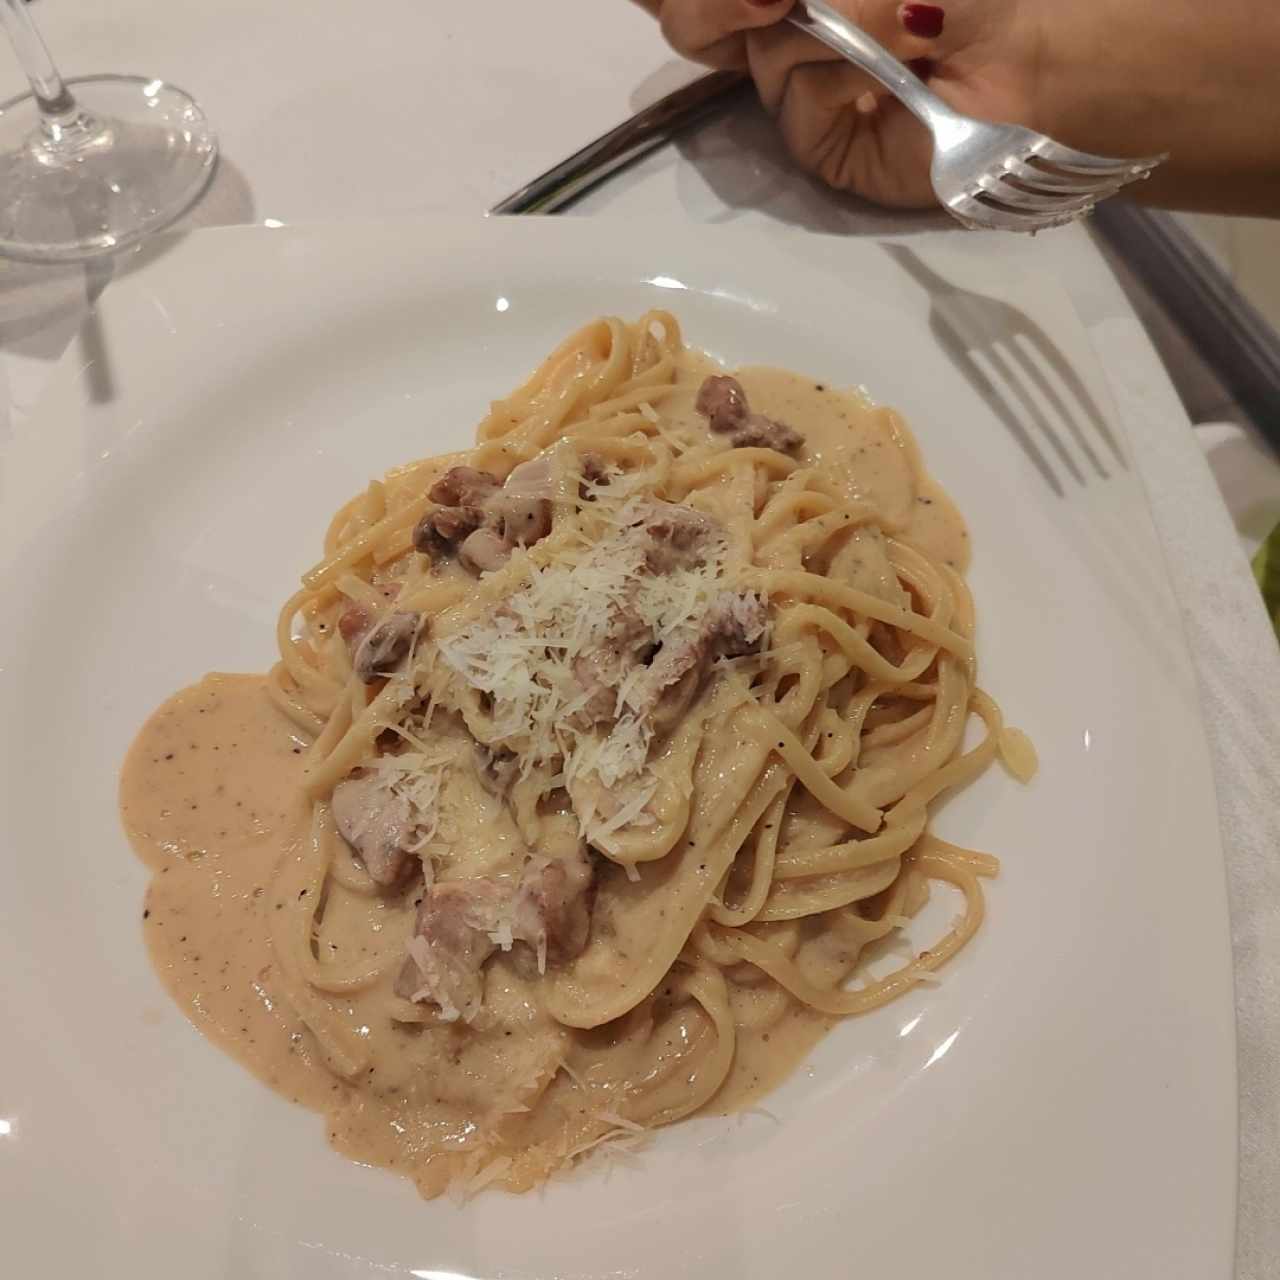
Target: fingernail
924	20
923	67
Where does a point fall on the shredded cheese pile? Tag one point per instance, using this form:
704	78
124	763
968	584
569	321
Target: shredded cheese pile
415	777
523	658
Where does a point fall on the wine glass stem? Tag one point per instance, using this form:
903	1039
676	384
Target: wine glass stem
66	129
51	94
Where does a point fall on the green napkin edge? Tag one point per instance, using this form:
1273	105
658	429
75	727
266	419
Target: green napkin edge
1266	569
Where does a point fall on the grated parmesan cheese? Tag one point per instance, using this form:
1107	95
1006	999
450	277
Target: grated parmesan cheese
414	777
523	658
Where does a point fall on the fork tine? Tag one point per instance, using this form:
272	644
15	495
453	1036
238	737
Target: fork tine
987	213
1020	197
1103	170
1054	153
1016	167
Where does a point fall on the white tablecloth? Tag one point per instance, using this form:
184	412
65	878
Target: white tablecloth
343	109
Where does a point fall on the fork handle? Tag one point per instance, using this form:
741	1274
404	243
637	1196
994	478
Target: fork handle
830	26
646	131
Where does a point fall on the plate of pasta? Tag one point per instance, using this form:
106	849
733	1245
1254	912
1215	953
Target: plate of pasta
595	758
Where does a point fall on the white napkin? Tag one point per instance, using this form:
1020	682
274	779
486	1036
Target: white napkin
1238	664
1248	477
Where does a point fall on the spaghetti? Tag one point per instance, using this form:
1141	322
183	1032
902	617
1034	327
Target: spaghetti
615	738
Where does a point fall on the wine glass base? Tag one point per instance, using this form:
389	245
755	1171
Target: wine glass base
144	160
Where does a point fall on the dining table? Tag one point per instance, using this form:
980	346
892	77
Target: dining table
343	111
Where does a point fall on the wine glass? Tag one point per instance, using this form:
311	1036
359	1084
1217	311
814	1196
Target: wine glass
90	173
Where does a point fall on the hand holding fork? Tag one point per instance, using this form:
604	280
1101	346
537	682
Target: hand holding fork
1119	81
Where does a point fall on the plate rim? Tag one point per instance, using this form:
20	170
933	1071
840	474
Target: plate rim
152	281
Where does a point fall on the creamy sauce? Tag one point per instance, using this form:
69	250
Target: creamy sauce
211	800
211	797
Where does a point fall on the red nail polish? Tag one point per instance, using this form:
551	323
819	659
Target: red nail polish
923	20
923	67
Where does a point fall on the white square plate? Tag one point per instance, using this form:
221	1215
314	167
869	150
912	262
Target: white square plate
1061	1105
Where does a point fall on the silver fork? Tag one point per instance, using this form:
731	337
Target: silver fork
1000	176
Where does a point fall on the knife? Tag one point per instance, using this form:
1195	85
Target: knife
636	138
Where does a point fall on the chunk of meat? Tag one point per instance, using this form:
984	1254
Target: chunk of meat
595	471
533	479
386	646
598	675
552	909
461	494
521	521
483	520
736	624
600	671
723	402
451	941
439	530
759	432
464	487
353	623
671	704
357	618
375	822
460	923
672	666
522	510
678	536
483	551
